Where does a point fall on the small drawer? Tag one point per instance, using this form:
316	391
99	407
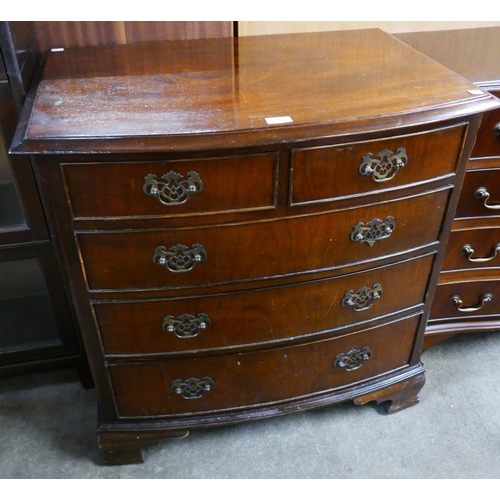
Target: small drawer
264	316
330	172
466	299
473	248
480	194
251	251
488	135
260	378
171	188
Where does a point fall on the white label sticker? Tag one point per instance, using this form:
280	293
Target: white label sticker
274	120
57	50
475	92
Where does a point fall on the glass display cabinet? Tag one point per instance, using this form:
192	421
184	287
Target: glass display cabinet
37	329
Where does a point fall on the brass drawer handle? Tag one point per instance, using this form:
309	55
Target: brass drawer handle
468	251
373	231
457	301
482	194
179	258
353	360
385	166
186	326
192	388
496	129
175	190
363	298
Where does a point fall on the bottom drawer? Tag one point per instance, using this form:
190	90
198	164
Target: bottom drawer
240	380
466	299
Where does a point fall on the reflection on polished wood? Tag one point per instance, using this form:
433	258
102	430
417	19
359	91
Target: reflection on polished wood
233	86
51	34
472	53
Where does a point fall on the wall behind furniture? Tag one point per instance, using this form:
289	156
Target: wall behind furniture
246	28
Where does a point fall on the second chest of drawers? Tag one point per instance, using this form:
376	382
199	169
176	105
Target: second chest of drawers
468	299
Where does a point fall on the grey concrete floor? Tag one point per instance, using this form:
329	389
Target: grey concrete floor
48	425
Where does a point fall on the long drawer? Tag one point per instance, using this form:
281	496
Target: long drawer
473	248
330	172
466	299
245	379
244	252
171	188
260	316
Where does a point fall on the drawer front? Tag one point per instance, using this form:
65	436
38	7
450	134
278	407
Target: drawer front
171	188
242	252
466	299
488	135
179	387
480	194
473	248
331	172
236	319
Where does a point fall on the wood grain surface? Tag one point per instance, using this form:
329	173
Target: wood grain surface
181	93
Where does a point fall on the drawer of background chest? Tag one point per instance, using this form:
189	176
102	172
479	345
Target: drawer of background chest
480	194
245	379
260	316
466	299
330	172
171	188
488	135
473	248
250	251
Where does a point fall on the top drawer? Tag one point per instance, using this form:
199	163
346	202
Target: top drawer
330	172
171	188
488	134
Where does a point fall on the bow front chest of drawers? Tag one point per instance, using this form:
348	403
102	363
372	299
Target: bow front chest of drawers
250	227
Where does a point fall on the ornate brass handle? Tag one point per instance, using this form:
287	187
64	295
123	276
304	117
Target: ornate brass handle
353	360
482	194
192	388
457	301
496	129
385	166
179	258
175	190
363	298
373	231
468	251
186	326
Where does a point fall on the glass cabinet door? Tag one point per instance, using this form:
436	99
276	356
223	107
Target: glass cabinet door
21	214
37	328
11	212
30	326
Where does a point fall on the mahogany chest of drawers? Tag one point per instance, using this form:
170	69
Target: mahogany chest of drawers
468	295
251	227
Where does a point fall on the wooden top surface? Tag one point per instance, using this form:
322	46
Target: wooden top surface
472	53
183	94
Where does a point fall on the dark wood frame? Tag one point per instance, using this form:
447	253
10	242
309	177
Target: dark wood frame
32	239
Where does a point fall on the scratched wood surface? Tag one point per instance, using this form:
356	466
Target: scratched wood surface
197	88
